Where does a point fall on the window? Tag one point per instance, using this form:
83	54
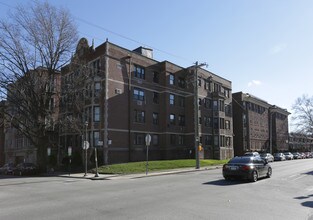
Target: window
215	141
95	67
215	105
199	101
199	82
221	105
139	116
172	119
181	82
172	79
207	121
139	138
207	85
172	99
155	118
208	140
222	123
139	72
208	103
217	87
97	89
227	125
155	139
173	139
156	77
215	123
181	139
139	94
51	104
227	141
181	120
96	114
226	92
155	97
181	101
96	138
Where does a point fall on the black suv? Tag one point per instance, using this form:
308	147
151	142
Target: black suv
25	169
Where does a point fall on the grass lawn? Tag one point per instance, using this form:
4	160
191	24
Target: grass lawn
140	167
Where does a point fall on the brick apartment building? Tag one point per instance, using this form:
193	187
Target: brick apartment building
17	147
258	125
299	142
127	94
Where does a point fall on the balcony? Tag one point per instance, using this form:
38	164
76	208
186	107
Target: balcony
219	95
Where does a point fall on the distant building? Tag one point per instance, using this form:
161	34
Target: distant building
258	125
18	147
125	95
299	142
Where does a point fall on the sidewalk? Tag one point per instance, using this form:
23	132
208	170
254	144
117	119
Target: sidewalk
91	176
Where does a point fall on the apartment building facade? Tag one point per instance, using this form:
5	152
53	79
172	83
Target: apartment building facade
258	125
127	94
17	146
299	142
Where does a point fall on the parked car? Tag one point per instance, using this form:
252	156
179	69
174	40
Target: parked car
288	156
25	169
279	157
308	154
7	168
267	157
252	154
251	168
296	155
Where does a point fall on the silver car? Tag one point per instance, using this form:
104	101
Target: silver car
288	156
267	157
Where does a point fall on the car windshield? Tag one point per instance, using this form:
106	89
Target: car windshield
263	155
240	160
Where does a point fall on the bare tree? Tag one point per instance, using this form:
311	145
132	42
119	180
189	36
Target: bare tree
303	114
35	43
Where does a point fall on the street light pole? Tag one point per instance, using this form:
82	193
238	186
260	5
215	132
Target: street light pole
196	113
85	147
271	147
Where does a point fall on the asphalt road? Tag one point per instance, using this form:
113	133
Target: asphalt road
194	195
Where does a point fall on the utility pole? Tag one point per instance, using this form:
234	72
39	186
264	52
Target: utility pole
196	112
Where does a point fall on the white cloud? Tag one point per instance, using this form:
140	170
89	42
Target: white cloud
278	48
254	83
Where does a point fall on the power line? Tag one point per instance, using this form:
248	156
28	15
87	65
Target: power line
116	34
130	39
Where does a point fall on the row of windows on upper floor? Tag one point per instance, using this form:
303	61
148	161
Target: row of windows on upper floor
216	105
260	109
216	140
139	72
139	139
139	116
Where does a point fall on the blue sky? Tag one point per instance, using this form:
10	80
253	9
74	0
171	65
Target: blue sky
263	47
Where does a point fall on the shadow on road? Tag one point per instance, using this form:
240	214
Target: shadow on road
307	203
223	182
309	173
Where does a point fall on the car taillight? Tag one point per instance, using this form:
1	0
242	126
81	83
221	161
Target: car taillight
245	167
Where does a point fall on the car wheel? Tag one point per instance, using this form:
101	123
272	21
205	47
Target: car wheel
269	172
227	178
254	176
